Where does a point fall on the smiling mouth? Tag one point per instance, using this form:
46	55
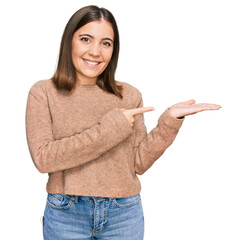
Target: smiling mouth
91	63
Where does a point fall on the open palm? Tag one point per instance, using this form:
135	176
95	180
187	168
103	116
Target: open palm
189	107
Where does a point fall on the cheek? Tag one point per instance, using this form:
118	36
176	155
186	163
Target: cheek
75	60
78	49
75	55
109	56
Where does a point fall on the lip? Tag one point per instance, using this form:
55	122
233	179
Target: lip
89	65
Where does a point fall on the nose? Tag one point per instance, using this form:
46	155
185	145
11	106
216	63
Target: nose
95	50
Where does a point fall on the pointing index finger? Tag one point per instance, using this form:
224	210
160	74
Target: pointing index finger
136	111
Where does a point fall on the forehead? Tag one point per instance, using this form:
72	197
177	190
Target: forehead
98	29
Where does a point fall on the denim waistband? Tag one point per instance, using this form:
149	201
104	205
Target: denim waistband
77	198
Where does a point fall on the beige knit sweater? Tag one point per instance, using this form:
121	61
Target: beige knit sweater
86	144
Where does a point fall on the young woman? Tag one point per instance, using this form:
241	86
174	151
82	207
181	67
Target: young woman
87	131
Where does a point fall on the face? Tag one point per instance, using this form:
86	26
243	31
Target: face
92	48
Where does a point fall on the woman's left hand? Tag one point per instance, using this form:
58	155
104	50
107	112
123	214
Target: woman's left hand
189	107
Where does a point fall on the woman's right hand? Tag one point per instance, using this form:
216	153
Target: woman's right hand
130	113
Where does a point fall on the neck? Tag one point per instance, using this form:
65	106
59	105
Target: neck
86	81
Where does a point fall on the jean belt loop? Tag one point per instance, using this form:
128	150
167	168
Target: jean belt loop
76	199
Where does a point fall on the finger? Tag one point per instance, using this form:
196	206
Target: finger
185	103
209	106
205	106
135	111
190	102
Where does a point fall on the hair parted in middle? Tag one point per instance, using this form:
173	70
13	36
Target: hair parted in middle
64	77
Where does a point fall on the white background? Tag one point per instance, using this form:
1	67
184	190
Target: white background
171	51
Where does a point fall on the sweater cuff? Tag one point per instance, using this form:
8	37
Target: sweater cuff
120	120
167	119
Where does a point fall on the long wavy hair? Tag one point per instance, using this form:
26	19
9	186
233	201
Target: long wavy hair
64	77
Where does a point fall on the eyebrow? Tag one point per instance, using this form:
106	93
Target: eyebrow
88	35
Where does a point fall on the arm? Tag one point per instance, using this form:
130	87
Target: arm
50	155
149	147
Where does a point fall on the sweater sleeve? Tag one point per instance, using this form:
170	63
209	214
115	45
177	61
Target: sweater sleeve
50	155
149	147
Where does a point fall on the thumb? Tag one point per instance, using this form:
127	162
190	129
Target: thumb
189	102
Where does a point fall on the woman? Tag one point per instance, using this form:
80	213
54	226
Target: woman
87	132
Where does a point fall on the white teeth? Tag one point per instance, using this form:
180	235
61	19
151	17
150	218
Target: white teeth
92	63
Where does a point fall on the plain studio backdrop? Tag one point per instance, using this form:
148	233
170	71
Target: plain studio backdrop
171	51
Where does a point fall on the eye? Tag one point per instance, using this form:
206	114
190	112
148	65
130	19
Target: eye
107	44
84	39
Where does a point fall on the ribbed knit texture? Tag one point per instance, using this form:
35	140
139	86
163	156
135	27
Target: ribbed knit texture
86	144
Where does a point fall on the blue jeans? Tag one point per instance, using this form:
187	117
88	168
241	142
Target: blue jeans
82	217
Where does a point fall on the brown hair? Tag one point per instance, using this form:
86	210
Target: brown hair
65	77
